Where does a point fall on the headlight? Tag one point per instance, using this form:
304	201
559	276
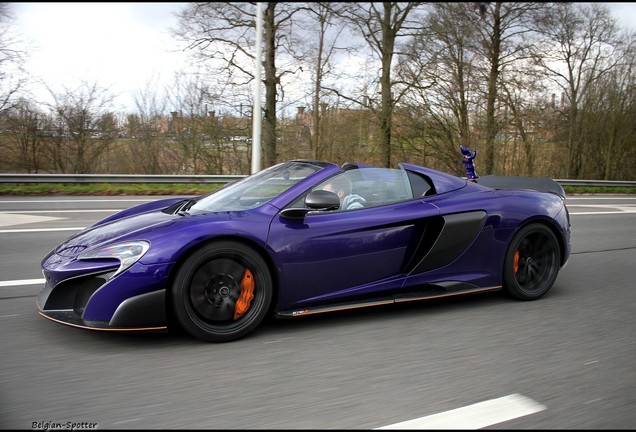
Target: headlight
127	253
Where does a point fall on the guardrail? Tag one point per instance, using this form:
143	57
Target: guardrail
116	178
596	183
140	178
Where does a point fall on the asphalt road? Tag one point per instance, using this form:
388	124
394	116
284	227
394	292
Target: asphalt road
565	361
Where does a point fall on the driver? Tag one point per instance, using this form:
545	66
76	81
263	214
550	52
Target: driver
341	186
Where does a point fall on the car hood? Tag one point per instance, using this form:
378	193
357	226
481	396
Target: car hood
111	231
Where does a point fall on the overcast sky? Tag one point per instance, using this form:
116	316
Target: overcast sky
120	46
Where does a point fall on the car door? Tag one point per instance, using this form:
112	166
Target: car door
339	255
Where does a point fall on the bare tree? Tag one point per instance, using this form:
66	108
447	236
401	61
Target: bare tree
85	122
607	119
145	130
443	99
502	29
223	34
581	44
11	59
23	143
202	141
322	34
382	25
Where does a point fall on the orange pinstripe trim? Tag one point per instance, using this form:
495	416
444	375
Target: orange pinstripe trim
495	288
104	329
308	312
305	312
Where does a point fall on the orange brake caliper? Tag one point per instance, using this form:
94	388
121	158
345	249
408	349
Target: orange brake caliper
516	264
247	295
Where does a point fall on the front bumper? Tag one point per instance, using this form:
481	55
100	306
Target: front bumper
133	300
144	312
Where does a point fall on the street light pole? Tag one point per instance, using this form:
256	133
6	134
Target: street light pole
256	112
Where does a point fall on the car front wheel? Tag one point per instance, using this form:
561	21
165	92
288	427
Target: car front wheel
222	292
532	262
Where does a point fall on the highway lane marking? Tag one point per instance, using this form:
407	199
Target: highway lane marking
628	207
10	218
12	283
601	213
18	219
615	209
600	198
476	416
32	230
76	201
59	211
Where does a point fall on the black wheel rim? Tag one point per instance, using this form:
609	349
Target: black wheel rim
215	289
534	262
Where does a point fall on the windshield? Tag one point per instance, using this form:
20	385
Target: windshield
256	189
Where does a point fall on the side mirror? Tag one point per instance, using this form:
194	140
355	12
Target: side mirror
317	200
322	200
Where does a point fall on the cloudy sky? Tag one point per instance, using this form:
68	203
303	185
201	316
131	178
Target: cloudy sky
120	46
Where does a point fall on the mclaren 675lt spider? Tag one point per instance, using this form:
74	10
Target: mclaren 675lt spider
305	237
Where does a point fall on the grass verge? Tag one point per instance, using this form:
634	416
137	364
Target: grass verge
107	189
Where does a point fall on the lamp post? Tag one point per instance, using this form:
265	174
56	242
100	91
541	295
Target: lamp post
256	112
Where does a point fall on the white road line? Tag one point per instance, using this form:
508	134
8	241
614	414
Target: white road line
615	209
476	416
628	207
59	211
21	282
30	230
19	219
602	213
76	201
600	198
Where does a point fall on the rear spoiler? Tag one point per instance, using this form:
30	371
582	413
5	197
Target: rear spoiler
541	184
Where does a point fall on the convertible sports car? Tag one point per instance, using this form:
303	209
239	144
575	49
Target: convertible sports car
283	242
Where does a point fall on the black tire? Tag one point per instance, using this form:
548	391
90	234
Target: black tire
208	287
532	262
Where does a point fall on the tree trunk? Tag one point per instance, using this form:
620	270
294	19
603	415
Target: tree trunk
269	117
491	126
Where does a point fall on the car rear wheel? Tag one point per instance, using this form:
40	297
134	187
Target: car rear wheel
222	292
532	262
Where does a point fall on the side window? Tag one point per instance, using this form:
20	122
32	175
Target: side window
368	187
345	185
381	186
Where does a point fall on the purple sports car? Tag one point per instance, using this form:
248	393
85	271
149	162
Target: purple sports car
305	237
